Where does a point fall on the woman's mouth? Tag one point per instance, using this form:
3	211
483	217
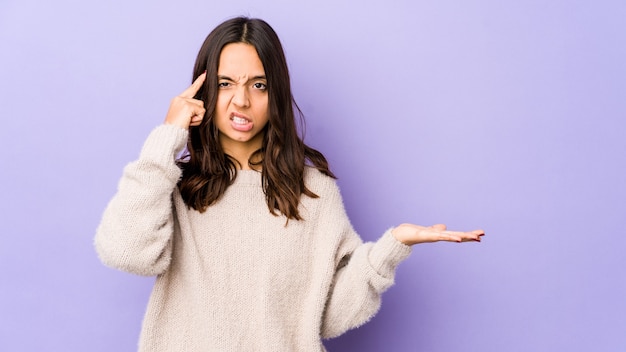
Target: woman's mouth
241	123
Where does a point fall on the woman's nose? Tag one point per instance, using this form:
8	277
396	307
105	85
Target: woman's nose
240	97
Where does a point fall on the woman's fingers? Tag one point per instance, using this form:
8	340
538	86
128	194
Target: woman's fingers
459	236
184	110
191	91
196	120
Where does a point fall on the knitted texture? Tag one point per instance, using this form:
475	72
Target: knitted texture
236	278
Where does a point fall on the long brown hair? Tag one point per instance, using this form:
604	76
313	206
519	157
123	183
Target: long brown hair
207	169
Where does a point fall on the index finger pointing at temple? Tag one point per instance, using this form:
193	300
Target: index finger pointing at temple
194	87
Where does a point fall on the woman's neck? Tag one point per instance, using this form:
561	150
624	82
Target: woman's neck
243	152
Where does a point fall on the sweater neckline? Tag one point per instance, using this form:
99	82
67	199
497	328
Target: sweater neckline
248	177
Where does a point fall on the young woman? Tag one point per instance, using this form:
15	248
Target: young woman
247	231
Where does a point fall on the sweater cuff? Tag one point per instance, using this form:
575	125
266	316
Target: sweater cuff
164	144
387	253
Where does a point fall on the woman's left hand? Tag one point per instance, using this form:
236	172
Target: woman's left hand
410	234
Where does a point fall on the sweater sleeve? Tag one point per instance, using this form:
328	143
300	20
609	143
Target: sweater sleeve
135	232
363	272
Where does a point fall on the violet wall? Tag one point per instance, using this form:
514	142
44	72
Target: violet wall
504	115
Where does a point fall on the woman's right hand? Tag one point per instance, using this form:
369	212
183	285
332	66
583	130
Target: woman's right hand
184	110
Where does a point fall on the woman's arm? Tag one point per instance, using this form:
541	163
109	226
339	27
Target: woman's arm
136	230
365	270
137	226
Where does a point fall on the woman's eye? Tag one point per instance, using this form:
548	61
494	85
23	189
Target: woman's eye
260	85
223	84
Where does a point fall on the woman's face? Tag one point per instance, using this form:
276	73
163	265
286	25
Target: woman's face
241	112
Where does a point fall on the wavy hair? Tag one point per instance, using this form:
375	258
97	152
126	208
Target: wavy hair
207	169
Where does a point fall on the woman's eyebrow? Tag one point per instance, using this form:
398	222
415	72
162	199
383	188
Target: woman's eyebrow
255	78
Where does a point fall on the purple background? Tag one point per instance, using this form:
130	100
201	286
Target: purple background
503	115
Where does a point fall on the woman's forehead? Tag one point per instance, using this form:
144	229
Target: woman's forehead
240	61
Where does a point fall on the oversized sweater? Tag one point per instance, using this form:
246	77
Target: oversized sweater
236	278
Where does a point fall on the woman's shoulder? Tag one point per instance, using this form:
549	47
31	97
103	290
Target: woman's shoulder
318	182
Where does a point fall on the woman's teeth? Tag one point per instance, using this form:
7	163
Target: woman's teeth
239	120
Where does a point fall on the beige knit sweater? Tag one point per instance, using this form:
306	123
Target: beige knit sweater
235	278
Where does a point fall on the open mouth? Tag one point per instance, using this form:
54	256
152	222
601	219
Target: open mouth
241	123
